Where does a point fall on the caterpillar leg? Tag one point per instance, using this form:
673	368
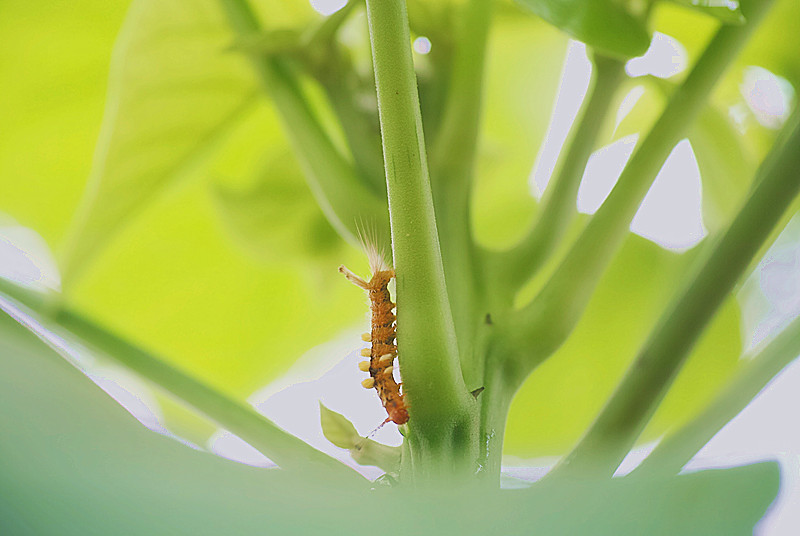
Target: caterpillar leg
353	278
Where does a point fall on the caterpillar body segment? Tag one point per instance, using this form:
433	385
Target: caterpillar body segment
383	349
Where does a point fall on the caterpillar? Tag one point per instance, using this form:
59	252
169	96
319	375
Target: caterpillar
383	349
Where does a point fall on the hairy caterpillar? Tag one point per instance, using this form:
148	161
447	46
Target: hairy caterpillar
382	336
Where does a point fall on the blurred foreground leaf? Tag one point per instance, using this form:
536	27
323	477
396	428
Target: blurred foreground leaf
75	463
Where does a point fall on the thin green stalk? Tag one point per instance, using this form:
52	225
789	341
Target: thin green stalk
289	452
441	409
676	450
641	390
335	72
543	325
360	126
453	153
558	205
453	168
340	193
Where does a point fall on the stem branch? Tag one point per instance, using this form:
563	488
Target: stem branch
646	382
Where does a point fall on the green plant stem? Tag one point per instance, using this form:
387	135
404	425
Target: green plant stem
286	450
453	159
558	205
630	407
360	126
543	325
333	69
443	414
676	450
345	199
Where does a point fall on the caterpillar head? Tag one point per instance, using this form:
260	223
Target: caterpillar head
398	413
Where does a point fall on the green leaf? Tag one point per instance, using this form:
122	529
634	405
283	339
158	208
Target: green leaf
601	24
520	93
69	452
726	167
341	432
239	322
65	331
716	502
51	102
275	216
174	91
728	11
564	394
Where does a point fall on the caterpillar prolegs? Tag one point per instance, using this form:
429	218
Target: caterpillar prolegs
383	349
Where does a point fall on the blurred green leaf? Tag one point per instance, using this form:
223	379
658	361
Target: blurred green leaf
173	92
563	396
525	60
718	502
68	452
726	167
276	217
234	321
728	11
602	24
54	65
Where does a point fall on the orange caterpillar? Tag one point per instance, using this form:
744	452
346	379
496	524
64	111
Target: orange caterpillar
384	349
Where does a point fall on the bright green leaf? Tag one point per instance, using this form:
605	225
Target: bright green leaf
174	91
341	432
276	216
726	167
601	24
239	322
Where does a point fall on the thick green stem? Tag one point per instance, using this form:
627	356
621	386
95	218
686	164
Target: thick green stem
544	324
289	452
676	450
442	412
558	205
646	382
345	199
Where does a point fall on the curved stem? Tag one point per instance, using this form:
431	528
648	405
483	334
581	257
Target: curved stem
558	205
452	168
543	325
646	382
441	409
346	201
676	450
